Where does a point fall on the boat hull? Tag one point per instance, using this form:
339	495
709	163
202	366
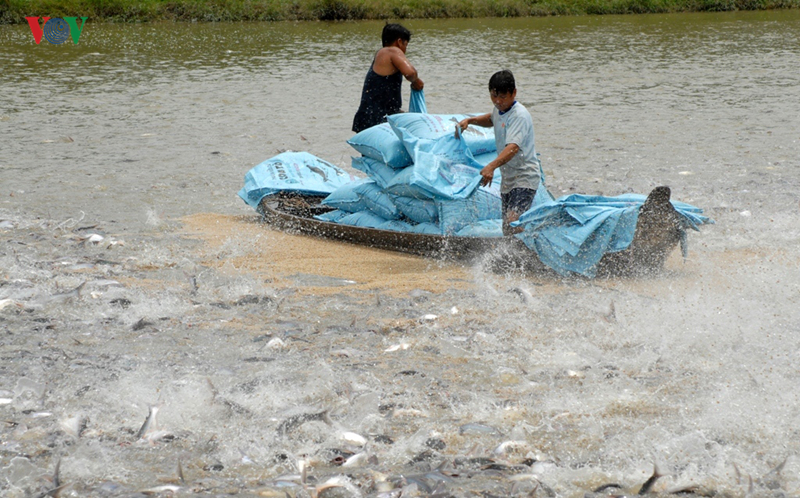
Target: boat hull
658	233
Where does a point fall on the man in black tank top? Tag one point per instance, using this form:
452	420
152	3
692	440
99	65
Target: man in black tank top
381	96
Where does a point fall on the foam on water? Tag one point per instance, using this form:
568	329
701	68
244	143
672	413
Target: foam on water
578	372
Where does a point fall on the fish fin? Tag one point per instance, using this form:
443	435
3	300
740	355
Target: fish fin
659	470
611	316
648	485
57	474
738	474
55	492
777	470
214	391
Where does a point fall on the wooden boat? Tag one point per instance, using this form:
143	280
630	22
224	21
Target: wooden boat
658	233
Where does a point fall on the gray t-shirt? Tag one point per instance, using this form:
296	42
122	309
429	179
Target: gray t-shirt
515	126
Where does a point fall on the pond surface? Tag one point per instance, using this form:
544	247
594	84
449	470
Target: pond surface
488	383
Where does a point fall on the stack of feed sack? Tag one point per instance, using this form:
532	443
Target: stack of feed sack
294	172
421	178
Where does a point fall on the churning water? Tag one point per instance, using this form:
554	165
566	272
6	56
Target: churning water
142	357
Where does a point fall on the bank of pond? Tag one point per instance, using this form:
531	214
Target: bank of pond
16	11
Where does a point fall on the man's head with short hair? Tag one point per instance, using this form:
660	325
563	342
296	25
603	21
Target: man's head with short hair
394	32
502	82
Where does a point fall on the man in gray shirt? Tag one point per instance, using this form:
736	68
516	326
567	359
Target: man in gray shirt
516	151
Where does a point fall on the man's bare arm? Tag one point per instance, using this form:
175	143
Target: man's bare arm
484	120
400	61
505	155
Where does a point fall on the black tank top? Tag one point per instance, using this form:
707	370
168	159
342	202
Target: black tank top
380	97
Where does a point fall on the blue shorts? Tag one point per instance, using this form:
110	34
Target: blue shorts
518	200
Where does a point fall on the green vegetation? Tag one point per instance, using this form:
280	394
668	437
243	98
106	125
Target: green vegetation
14	11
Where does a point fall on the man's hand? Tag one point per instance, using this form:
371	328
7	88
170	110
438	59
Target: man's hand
503	157
487	175
461	126
484	121
417	84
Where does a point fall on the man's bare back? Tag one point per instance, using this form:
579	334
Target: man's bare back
392	59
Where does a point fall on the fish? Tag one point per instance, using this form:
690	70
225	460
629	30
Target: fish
112	243
92	238
478	428
357	460
648	484
75	426
392	493
412	485
769	480
5	303
65	296
397	347
158	490
440	491
57	474
57	484
606	487
438	475
80	266
287	481
55	492
524	294
510	446
150	423
108	262
245	457
353	439
339	481
104	282
142	323
192	282
405	412
274	493
232	405
738	474
295	421
611	316
693	489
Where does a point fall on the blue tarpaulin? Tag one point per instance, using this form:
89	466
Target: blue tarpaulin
417	102
572	233
446	171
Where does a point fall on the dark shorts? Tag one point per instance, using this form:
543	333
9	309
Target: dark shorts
518	200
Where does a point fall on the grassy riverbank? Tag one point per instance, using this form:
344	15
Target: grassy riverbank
15	11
